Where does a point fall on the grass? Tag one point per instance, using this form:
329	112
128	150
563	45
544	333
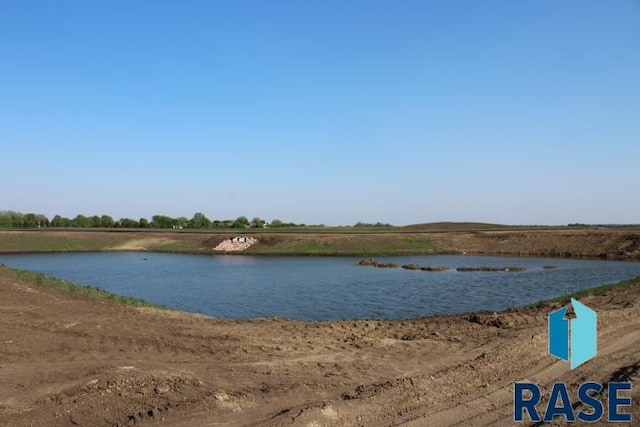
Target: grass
63	286
35	241
563	299
344	244
357	244
191	246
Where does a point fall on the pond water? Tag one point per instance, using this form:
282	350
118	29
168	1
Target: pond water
323	288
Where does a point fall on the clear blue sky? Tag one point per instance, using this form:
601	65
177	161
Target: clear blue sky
323	112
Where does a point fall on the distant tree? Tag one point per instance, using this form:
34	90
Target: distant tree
221	224
367	224
128	223
43	221
59	221
5	219
240	222
17	219
199	220
276	223
81	221
182	221
258	222
163	221
106	221
143	223
30	221
95	221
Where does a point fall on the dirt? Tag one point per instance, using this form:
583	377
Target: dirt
66	360
603	243
142	244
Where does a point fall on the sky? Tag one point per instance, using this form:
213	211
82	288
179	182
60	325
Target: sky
326	112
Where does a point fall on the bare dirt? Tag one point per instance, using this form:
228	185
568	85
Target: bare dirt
593	243
67	360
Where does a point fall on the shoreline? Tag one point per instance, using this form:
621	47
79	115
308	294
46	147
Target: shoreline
67	287
110	363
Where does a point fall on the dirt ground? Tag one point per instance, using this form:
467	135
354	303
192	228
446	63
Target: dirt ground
593	243
66	360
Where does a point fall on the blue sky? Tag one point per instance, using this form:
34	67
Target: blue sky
322	112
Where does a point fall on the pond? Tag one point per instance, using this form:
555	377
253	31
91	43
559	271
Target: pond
324	288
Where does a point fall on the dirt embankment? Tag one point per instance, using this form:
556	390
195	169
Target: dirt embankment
608	244
66	360
605	243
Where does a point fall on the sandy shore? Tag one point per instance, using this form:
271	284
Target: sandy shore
67	360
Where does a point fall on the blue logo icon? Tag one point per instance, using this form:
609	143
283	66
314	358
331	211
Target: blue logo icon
573	340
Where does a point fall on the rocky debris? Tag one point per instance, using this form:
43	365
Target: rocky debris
374	263
467	268
236	244
387	265
489	319
425	268
435	268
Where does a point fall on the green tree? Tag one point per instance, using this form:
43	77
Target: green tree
59	221
240	222
5	219
143	223
199	220
258	222
30	220
82	221
17	219
163	221
128	223
43	221
182	221
106	221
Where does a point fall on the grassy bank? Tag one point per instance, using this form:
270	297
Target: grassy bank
357	244
598	290
63	286
36	241
344	244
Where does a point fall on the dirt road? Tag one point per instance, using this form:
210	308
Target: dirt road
67	360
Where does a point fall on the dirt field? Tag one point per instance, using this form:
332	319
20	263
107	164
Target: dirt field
66	360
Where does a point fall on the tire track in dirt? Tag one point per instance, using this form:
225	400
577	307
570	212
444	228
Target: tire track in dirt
497	405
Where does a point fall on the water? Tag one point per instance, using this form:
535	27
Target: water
323	288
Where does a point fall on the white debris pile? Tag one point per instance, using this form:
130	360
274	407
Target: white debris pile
236	244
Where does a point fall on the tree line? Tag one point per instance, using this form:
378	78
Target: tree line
13	219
